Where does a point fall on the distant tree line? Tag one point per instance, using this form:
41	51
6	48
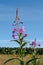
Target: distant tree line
8	50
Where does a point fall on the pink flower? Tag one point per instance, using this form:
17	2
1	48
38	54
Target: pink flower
21	30
34	43
38	44
14	30
14	36
24	36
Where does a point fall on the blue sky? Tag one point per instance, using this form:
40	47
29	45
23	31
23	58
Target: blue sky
30	12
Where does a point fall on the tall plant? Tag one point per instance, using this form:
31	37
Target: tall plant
18	36
34	53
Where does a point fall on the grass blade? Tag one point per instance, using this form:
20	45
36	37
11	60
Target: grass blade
27	63
21	62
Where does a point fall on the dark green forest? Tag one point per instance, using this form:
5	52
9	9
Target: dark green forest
4	50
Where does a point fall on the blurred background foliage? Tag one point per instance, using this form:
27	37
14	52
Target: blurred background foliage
4	50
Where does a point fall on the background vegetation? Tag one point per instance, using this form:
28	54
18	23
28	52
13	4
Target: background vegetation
4	50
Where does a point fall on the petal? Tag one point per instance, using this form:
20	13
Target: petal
23	28
14	29
38	44
14	36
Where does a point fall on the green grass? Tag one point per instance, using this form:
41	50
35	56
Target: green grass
16	62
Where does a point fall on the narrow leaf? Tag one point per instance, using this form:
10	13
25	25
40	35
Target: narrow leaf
24	36
27	63
8	60
21	62
16	41
23	44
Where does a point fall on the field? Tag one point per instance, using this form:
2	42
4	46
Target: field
16	62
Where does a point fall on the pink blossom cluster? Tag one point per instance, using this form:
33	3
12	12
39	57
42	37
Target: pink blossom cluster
21	31
34	43
18	31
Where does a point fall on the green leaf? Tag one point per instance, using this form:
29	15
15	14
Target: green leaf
17	41
8	60
27	63
23	44
21	62
13	51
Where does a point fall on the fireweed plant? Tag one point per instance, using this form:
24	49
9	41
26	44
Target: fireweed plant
34	53
18	36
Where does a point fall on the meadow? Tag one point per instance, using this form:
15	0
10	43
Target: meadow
4	57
